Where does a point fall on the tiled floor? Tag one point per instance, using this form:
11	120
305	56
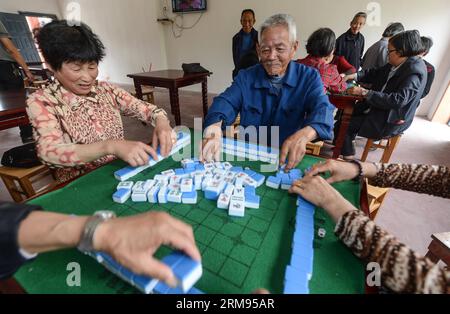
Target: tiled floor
409	216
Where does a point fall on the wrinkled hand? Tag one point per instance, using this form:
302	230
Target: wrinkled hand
319	192
294	148
164	136
134	153
339	170
133	240
357	91
211	144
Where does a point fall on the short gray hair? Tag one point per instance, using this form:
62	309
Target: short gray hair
281	20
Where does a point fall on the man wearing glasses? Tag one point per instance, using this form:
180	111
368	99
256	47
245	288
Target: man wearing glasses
278	92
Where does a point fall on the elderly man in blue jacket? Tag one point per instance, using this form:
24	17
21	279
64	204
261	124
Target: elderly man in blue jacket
277	92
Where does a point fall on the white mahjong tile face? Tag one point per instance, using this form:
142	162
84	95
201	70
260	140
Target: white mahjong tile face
237	206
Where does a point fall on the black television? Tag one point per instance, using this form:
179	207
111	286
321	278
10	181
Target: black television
186	6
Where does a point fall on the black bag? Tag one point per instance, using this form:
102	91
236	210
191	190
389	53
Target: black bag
194	68
24	156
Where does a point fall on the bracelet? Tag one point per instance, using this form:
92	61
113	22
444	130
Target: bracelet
360	175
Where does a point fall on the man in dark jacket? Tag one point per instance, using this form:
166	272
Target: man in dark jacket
245	40
397	88
351	44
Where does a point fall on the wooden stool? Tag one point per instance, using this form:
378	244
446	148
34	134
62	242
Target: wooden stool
314	148
19	181
388	148
375	197
439	248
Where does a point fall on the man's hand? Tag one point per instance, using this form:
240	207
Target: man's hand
134	153
133	240
211	143
294	149
164	136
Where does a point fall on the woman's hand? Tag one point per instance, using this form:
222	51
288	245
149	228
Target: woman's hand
134	153
339	170
318	191
164	136
357	91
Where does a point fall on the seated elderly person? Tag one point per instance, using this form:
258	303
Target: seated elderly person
277	92
77	120
320	48
389	107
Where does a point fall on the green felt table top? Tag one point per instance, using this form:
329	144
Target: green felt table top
238	254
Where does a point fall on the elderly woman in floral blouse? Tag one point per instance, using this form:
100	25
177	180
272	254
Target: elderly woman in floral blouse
402	270
77	120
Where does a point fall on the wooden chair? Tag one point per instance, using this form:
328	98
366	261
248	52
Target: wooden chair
148	91
376	198
19	181
375	194
439	248
388	147
233	132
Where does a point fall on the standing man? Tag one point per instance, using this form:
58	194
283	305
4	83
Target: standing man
10	75
351	44
245	40
377	55
279	93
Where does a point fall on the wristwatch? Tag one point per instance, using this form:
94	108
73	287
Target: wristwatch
87	238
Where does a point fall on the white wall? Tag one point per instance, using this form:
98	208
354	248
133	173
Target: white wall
130	33
133	38
210	41
41	6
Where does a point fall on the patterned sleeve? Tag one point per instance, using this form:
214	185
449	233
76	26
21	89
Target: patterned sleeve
133	107
54	146
334	81
432	180
402	270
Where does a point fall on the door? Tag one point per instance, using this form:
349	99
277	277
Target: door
17	27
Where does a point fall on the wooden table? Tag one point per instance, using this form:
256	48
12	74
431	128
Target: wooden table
346	103
172	79
12	286
12	109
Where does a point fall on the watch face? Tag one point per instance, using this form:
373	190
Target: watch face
106	214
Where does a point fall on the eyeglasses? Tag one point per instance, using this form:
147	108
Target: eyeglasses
390	51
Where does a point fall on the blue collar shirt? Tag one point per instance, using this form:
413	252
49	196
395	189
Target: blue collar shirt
300	102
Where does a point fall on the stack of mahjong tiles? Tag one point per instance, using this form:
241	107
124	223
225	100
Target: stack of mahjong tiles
186	270
234	188
250	151
183	140
300	270
284	180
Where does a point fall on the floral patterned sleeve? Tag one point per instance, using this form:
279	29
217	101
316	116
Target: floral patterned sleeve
134	107
432	180
402	270
54	147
